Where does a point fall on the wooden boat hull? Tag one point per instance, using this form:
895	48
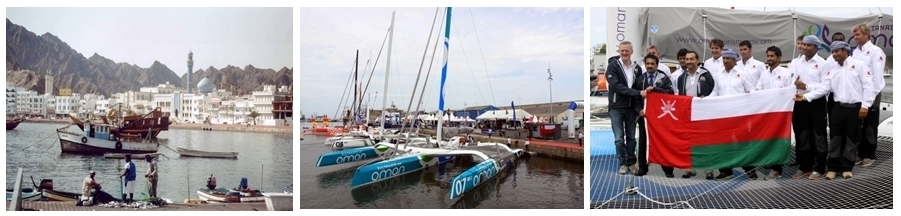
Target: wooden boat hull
52	195
218	195
122	155
12	124
205	154
79	144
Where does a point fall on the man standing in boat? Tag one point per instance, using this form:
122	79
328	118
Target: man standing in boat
129	175
151	175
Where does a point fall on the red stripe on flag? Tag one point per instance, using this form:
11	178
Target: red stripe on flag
767	126
668	117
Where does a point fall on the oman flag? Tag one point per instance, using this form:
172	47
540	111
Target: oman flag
720	132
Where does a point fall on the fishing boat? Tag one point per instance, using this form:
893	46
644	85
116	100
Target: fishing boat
242	194
99	139
28	194
13	121
205	154
122	155
53	195
222	195
146	126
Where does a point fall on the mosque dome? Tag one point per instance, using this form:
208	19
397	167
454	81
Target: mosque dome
205	86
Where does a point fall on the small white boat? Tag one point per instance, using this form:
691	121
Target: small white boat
205	154
97	139
223	195
28	194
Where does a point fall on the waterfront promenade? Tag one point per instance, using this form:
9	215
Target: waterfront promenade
568	149
194	126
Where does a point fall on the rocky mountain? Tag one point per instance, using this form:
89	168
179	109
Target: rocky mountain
243	81
29	57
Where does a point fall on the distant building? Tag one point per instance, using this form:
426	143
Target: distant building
282	108
473	111
190	68
48	83
205	86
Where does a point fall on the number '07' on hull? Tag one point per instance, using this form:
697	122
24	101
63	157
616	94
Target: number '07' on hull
474	176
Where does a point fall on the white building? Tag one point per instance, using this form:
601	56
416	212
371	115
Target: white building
11	97
262	104
97	105
66	105
242	108
160	89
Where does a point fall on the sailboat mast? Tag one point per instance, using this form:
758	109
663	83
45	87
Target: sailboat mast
353	106
443	73
387	71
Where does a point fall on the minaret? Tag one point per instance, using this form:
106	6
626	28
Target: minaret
48	83
190	67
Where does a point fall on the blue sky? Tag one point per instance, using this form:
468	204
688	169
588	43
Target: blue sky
218	36
511	48
598	15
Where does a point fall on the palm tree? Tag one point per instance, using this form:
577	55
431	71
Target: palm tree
253	115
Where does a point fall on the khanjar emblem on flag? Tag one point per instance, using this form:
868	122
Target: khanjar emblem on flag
668	108
720	132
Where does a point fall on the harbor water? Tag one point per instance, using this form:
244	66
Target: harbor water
534	182
265	159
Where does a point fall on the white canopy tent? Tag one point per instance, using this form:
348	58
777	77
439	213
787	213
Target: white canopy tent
504	114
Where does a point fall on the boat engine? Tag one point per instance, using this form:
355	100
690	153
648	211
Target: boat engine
211	183
46	184
243	184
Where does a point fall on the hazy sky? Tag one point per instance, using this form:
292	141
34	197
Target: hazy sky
509	47
218	36
598	16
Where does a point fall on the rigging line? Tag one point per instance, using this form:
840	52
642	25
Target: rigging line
421	63
429	71
470	67
490	89
376	63
343	93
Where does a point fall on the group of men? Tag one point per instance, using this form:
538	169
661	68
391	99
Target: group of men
90	184
846	88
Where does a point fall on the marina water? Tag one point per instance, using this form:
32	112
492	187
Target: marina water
532	183
35	148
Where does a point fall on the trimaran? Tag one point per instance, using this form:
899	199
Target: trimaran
396	160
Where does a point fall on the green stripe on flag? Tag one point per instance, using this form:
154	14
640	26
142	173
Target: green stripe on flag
733	155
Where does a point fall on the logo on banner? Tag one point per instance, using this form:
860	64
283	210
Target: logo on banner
654	29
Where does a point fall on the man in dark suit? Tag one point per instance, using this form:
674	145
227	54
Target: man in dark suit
653	80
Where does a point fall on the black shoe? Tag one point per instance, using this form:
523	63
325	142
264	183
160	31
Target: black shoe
689	174
794	163
670	175
723	176
752	175
710	176
641	172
